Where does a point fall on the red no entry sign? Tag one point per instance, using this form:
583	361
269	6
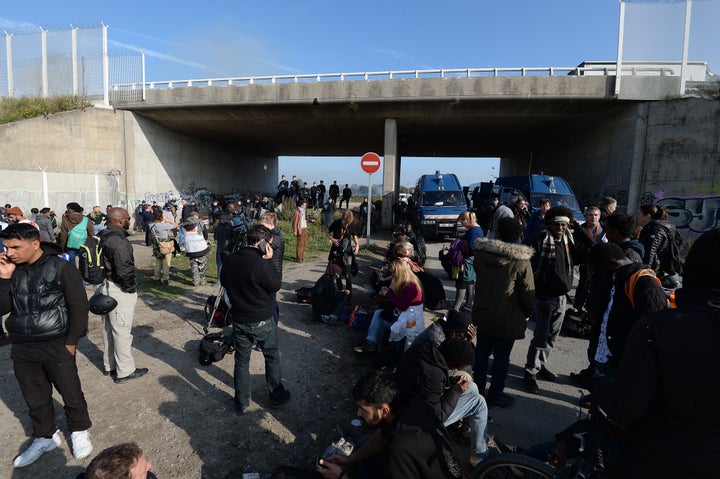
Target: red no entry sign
370	162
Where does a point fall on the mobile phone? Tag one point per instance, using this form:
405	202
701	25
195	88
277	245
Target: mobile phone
262	246
318	463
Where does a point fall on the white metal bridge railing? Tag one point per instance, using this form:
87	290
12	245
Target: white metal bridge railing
118	89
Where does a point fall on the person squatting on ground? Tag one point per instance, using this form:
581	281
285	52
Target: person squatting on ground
409	441
124	461
556	252
328	301
48	310
666	386
435	373
161	231
121	284
504	298
251	282
300	229
197	247
465	283
345	246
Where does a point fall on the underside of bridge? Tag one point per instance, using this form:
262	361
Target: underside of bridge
502	128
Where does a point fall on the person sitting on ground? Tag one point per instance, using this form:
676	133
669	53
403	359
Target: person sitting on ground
665	386
409	440
327	299
437	374
504	298
124	461
405	293
406	252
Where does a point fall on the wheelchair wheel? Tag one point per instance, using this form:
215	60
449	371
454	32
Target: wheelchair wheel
513	466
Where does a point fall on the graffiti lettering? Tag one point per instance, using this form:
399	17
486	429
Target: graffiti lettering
647	198
695	213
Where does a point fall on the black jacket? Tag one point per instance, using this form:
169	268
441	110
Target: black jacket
46	300
251	283
326	296
278	246
649	298
423	371
634	251
666	389
416	445
118	258
656	237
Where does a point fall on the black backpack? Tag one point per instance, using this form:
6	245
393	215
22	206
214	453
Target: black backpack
90	261
214	347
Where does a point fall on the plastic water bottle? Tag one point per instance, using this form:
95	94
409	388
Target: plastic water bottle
411	331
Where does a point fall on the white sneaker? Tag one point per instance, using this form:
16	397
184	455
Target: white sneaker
81	445
38	447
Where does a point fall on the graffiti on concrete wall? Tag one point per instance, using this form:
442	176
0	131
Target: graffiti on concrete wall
695	213
161	198
647	198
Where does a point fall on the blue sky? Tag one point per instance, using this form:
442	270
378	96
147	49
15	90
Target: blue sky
215	39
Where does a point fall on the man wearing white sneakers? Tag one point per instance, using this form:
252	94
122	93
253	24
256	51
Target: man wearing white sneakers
48	310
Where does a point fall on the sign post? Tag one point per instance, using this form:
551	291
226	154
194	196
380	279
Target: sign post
370	163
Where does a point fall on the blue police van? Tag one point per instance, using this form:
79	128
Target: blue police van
438	201
536	187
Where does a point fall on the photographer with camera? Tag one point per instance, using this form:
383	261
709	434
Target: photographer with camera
251	283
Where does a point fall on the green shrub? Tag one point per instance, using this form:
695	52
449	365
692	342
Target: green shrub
18	109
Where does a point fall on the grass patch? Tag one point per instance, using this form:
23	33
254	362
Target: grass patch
318	247
18	109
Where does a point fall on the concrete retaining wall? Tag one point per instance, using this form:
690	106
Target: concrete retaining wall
665	153
130	159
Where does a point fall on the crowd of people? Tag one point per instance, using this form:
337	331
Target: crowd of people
427	378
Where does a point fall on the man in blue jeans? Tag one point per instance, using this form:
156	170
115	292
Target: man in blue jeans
251	283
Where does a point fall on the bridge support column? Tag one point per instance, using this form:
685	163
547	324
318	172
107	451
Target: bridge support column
391	171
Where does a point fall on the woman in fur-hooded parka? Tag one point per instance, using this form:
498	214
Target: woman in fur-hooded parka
504	288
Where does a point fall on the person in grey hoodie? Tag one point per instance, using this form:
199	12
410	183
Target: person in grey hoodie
44	223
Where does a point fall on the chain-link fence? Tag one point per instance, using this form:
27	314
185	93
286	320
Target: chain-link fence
35	189
77	60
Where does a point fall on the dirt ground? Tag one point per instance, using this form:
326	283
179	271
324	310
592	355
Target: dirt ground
182	414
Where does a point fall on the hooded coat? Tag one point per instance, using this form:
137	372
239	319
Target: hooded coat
504	288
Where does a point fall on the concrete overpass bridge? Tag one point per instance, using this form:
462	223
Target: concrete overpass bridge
225	135
573	122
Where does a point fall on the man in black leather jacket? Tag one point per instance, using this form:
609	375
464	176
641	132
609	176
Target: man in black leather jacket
49	314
